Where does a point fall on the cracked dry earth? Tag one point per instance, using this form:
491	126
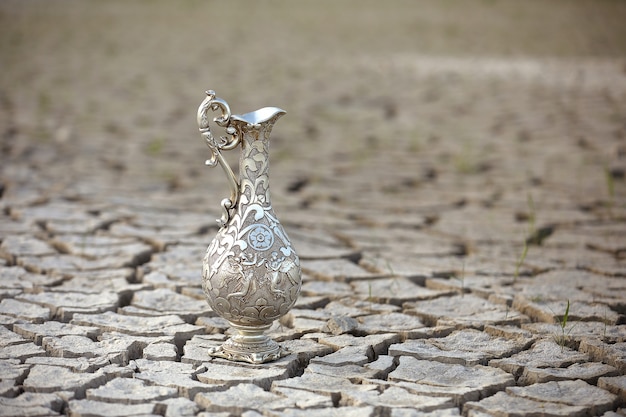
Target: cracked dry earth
452	178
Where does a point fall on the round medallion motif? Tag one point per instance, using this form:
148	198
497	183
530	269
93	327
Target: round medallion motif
261	237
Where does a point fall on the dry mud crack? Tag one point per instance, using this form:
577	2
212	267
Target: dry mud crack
452	178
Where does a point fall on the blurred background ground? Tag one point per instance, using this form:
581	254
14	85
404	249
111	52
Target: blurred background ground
389	104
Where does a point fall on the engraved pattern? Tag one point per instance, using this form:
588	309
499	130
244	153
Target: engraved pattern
251	274
261	237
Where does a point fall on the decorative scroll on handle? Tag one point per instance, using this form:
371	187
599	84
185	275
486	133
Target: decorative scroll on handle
226	143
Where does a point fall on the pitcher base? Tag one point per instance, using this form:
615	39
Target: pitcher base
251	346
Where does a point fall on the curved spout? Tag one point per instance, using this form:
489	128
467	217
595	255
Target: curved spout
259	116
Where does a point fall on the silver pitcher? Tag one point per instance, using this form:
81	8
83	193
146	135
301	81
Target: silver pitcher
251	273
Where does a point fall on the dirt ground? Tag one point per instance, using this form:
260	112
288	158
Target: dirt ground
401	102
461	162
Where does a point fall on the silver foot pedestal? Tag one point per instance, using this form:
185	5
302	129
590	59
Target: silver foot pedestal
250	345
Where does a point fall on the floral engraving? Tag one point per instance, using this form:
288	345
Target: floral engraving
261	237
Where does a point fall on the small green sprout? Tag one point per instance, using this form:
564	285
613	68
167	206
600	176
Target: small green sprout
520	261
562	339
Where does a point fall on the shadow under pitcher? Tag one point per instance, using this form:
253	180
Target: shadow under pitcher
251	274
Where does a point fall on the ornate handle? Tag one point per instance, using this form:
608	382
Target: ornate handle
217	145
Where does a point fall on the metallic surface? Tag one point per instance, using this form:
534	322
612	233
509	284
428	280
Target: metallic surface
251	274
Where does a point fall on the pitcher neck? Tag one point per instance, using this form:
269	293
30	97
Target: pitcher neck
254	131
254	167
